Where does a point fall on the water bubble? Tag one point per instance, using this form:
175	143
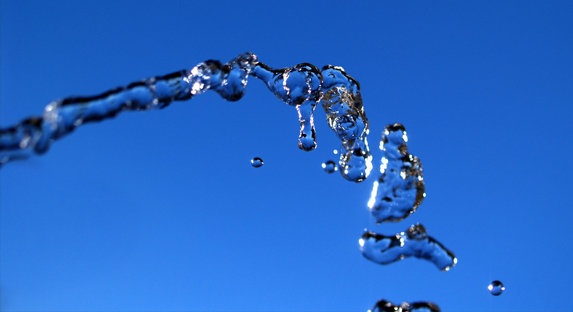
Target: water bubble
496	288
413	242
330	166
257	162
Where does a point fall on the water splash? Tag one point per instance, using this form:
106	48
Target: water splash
257	162
299	86
400	189
413	242
496	288
387	306
329	166
345	114
302	86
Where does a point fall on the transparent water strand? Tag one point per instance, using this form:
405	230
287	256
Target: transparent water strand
301	86
414	242
419	306
400	189
61	117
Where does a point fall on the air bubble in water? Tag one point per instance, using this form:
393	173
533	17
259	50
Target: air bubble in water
400	189
496	288
257	162
387	306
413	242
330	166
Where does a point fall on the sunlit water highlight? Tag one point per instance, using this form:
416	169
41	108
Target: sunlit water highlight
302	86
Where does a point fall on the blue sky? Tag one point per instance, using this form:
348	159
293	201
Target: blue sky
162	210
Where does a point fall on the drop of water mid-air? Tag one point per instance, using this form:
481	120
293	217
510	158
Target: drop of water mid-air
413	242
496	288
400	189
387	306
330	166
257	162
345	114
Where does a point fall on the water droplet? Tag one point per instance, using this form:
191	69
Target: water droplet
400	188
257	162
387	306
330	166
412	242
496	288
345	114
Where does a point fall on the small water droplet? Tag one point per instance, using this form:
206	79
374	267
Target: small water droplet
496	288
330	166
256	162
335	152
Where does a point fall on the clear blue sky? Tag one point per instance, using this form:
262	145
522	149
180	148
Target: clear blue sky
161	210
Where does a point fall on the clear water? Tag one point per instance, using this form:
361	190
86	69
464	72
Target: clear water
396	194
387	306
302	86
330	166
257	162
414	242
400	188
496	288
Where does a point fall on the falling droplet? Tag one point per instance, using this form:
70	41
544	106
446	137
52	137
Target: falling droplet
257	162
400	188
330	166
496	288
387	306
414	242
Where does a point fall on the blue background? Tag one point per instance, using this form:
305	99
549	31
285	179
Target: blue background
161	210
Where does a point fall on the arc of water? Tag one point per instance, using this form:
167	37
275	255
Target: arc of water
302	86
